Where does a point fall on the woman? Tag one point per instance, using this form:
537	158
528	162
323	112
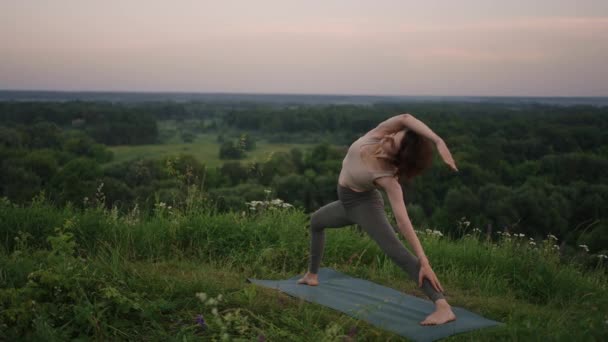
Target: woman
399	148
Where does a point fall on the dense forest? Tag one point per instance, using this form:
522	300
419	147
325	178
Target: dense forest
524	168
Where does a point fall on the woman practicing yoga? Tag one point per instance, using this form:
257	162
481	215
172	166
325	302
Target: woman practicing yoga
399	148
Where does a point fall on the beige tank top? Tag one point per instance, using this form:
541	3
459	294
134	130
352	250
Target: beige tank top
355	173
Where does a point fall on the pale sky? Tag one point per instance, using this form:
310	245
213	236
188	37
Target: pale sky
381	47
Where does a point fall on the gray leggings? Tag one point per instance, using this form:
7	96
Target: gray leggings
367	210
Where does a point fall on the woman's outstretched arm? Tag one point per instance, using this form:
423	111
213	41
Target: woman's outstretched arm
403	121
395	195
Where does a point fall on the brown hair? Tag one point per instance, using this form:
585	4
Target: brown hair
415	155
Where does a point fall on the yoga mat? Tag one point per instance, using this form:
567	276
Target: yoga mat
378	305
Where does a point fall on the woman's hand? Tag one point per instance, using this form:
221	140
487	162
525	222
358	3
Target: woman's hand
445	154
427	272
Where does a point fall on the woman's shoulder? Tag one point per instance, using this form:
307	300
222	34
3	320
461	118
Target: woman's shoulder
374	134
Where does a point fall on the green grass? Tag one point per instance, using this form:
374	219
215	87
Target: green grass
97	274
204	148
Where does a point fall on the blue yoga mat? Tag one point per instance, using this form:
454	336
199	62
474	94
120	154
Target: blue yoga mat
378	305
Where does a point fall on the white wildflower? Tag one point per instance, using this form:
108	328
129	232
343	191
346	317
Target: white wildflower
202	296
602	256
555	247
584	247
214	311
267	191
531	239
532	243
551	236
271	205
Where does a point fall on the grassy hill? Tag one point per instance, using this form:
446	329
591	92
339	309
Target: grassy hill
179	274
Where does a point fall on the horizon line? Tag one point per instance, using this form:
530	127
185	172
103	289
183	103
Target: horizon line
288	94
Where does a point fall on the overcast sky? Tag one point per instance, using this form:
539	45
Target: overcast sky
426	47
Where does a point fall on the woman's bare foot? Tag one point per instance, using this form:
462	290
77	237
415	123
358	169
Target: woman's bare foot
443	314
310	279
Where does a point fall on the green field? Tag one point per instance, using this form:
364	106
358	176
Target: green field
68	274
204	148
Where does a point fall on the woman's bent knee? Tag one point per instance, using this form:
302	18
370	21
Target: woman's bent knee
315	222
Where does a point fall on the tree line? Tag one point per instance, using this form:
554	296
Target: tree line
533	169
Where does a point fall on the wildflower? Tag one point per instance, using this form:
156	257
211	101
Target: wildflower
551	236
214	311
602	256
267	191
532	243
555	247
584	247
476	230
428	231
201	321
438	233
531	239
